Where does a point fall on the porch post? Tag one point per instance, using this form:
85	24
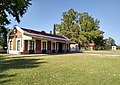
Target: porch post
56	47
34	46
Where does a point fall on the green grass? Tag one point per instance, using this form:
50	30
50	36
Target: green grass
106	52
64	69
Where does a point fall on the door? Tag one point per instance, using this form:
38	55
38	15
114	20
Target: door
53	47
44	47
31	46
60	47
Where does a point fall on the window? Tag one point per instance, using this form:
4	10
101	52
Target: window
31	45
11	45
53	46
18	45
44	45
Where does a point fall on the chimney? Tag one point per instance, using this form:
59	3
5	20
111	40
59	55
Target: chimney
50	32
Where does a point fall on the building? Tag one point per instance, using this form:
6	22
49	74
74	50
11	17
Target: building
90	46
113	46
25	41
74	48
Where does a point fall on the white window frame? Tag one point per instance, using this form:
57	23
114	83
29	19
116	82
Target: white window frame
52	45
67	44
29	44
11	44
42	44
20	44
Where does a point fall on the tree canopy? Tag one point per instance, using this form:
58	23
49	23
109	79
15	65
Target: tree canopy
79	27
14	8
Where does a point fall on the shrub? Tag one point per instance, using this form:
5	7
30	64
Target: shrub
3	51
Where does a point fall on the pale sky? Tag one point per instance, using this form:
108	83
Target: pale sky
43	14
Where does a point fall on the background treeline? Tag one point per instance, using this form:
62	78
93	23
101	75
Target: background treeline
83	29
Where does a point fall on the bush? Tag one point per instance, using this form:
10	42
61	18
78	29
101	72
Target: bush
118	47
31	51
3	51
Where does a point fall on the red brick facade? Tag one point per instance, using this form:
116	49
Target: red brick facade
38	46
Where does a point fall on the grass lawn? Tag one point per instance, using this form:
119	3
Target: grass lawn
106	52
64	69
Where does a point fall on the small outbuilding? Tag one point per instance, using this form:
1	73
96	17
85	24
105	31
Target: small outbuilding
74	47
114	47
90	46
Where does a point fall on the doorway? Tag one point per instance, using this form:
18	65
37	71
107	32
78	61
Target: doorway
31	47
60	48
44	47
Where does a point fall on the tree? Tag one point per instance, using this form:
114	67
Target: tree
108	43
79	27
89	27
3	36
111	41
99	42
69	26
14	8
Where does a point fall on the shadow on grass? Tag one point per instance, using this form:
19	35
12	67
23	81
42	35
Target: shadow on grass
4	76
64	53
16	63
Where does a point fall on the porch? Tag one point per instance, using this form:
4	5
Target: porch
45	46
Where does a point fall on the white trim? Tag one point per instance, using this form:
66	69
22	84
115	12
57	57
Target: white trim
14	52
15	27
9	44
44	36
64	46
57	47
23	44
19	28
42	44
20	44
34	45
29	44
9	50
52	44
25	37
67	44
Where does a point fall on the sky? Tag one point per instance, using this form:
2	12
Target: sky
43	14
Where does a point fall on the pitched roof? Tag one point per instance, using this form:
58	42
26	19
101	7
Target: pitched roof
42	33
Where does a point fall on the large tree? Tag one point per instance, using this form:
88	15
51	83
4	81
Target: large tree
89	26
69	26
79	27
14	8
